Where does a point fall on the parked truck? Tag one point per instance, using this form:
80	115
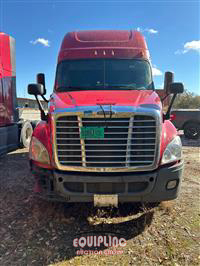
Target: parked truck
106	138
14	132
187	120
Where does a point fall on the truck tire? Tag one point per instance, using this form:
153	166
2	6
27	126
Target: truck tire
25	135
192	130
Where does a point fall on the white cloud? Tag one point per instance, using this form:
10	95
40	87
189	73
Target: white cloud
42	41
193	45
156	71
150	31
188	46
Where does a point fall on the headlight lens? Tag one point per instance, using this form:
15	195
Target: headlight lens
38	152
173	151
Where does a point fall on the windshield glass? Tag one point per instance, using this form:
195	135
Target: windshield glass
100	74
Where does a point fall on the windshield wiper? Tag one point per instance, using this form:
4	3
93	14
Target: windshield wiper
67	88
120	87
108	86
124	86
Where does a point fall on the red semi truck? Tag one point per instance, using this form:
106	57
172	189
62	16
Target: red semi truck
106	138
13	132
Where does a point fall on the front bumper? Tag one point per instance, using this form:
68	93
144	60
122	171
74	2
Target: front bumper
130	187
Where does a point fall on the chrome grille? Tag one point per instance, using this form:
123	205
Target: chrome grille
128	142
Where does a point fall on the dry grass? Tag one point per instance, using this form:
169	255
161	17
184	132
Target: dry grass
34	232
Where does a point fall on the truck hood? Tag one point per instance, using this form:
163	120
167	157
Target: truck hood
105	97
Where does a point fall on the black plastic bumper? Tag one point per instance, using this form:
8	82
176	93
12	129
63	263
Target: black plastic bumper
130	187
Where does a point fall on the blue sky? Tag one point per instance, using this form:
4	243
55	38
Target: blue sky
171	28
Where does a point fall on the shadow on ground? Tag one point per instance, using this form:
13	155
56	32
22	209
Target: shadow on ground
35	232
53	227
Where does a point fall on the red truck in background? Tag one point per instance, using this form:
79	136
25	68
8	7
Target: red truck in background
13	132
106	138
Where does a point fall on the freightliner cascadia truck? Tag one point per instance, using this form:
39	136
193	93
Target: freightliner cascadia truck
14	133
106	138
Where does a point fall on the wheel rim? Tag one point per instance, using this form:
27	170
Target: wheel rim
28	134
192	131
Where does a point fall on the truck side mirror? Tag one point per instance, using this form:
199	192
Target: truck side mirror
169	78
35	89
176	87
40	78
38	89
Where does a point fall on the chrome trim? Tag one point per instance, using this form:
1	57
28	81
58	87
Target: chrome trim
120	112
123	144
128	145
105	162
107	150
80	124
111	156
109	139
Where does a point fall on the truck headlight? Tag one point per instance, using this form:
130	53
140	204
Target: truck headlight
38	152
173	151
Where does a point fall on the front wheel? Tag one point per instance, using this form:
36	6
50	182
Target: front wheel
26	133
192	130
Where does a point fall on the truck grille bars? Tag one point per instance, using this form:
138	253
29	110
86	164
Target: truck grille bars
128	142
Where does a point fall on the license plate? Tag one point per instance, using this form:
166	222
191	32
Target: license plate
92	133
101	200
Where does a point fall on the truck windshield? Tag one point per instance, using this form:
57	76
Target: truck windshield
102	74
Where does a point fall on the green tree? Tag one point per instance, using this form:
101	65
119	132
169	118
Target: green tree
187	100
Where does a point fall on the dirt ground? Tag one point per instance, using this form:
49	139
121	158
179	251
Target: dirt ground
34	232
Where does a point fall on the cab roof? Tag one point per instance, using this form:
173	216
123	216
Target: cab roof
103	44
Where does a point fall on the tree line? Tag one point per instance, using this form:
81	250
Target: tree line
187	100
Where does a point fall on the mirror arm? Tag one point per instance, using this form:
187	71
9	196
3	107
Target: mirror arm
44	99
42	113
167	115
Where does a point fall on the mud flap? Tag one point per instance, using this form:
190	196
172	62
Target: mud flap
101	200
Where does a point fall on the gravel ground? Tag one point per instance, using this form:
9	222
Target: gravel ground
34	232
